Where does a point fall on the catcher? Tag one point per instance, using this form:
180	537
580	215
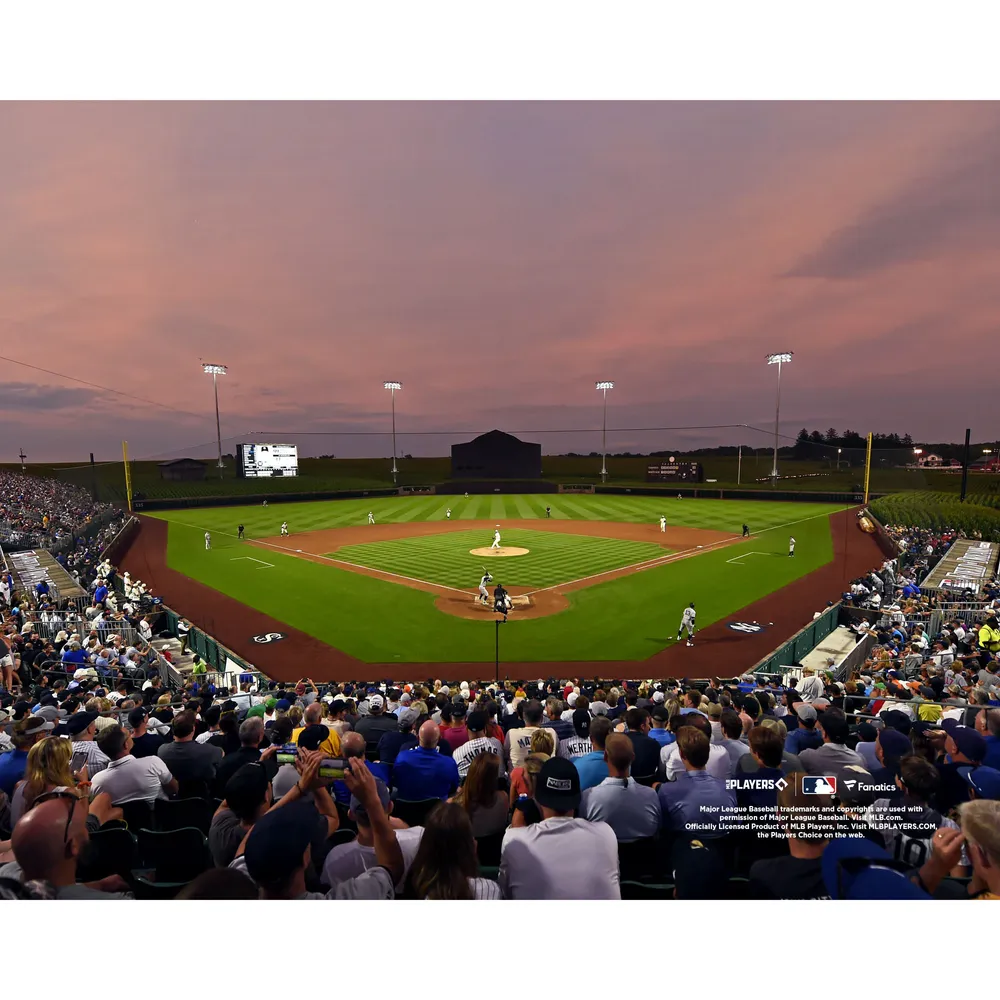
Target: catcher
501	601
484	594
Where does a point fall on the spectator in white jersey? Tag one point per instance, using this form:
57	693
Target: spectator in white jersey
630	809
478	743
578	745
517	743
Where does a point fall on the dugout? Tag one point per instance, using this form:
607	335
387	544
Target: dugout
496	455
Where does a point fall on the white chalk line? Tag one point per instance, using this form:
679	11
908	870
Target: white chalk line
267	565
736	559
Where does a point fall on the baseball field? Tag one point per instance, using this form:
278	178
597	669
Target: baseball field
596	585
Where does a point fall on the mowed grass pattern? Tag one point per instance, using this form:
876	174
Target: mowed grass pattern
552	557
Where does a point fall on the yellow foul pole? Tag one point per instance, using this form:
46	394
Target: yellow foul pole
868	466
128	476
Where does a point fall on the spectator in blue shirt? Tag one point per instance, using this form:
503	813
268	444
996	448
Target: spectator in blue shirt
423	772
682	800
73	652
758	788
27	733
100	594
660	717
592	766
989	726
805	736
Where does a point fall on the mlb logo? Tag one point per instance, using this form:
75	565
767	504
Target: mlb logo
823	784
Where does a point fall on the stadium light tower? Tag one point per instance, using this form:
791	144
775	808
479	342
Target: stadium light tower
604	387
779	360
215	371
392	387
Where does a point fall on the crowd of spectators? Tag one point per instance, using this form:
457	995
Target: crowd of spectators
44	512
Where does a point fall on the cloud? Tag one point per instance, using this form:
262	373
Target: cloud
21	396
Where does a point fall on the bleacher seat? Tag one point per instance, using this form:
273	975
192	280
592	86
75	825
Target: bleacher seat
174	814
172	855
112	852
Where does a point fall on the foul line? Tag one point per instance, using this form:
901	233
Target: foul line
745	554
252	559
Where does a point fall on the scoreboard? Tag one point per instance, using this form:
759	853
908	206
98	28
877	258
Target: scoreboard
256	461
678	472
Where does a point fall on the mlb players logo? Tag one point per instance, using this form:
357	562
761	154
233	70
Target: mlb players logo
823	784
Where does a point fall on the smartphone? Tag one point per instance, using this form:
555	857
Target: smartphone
79	759
333	767
287	754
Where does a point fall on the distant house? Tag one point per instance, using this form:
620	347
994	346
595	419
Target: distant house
187	470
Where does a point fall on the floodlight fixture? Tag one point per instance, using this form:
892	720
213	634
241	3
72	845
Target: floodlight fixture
604	387
392	386
215	371
779	360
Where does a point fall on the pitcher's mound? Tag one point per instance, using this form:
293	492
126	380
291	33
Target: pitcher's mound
507	550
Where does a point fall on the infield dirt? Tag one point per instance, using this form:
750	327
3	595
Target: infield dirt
718	650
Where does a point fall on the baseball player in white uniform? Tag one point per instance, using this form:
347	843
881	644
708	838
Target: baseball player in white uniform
663	523
496	538
447	513
687	622
208	541
791	546
284	527
371	517
484	594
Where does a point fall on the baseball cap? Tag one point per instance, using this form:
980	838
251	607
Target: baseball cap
404	698
857	868
50	713
476	721
407	717
984	781
970	743
658	697
805	712
278	841
867	733
897	720
77	723
376	701
714	711
445	690
458	710
312	736
660	713
571	698
136	716
894	743
558	785
245	790
284	705
581	722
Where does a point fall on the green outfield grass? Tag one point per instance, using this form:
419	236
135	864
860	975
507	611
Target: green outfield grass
552	557
629	618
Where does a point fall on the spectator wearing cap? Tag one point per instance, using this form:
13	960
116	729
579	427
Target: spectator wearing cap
659	717
891	746
423	772
313	716
833	755
805	736
48	842
630	809
144	742
189	762
964	748
278	849
811	686
980	821
799	875
127	778
375	724
561	857
477	743
455	733
27	733
694	797
719	764
82	728
577	745
390	745
347	861
247	797
592	767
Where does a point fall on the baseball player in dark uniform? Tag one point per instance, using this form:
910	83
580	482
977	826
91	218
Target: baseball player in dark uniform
746	531
239	532
501	602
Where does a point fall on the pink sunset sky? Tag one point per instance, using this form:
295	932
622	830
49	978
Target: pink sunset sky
497	259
